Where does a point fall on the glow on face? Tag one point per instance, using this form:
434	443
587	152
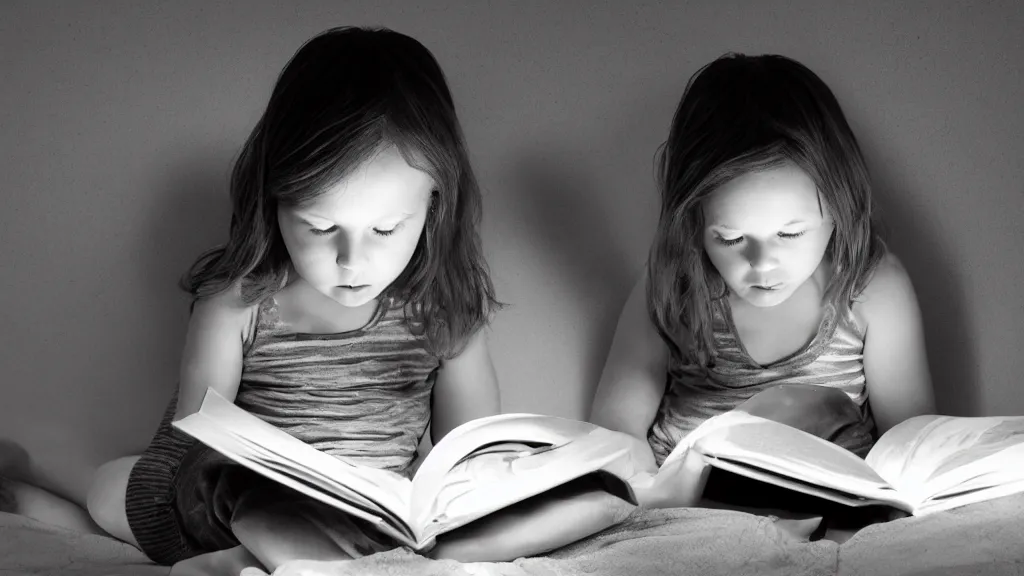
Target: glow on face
354	240
766	232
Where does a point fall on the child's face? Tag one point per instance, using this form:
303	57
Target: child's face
766	233
351	242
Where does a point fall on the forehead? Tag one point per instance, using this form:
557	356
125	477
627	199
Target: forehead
385	185
767	199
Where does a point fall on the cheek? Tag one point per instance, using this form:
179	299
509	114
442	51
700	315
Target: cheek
294	240
310	257
726	261
400	254
298	248
390	256
811	256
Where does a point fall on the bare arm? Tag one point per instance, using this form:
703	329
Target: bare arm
895	361
633	380
212	357
466	388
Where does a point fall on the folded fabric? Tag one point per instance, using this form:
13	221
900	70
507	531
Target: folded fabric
674	541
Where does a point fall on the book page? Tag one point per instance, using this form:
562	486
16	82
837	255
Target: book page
887	498
547	431
787	451
243	435
979	494
931	456
266	464
322	480
497	479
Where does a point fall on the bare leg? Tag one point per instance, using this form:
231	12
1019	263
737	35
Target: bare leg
20	495
38	504
106	498
276	531
228	562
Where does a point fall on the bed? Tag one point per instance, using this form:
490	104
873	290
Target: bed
983	539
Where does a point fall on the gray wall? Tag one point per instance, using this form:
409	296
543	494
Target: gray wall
120	121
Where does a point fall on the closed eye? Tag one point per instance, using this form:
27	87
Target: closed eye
333	229
792	235
380	232
738	239
324	232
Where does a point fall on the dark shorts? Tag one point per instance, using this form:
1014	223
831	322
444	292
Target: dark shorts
181	505
182	497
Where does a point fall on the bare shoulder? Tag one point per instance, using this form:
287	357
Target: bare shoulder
214	348
225	311
889	291
632	381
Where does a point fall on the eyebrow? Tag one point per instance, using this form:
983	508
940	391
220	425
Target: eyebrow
305	217
730	228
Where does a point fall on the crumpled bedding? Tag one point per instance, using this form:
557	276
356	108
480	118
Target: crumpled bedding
679	542
28	546
984	539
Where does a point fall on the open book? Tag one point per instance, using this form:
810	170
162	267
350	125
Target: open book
476	469
923	465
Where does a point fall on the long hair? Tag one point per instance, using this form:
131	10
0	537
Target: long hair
740	114
345	95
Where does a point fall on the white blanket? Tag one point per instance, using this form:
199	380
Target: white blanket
984	539
681	542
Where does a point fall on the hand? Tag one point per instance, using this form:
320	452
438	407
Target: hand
678	485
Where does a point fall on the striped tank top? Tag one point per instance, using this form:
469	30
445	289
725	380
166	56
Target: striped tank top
363	395
833	358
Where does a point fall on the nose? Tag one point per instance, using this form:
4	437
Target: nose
762	258
347	251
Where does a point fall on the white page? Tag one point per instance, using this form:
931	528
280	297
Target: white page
221	441
928	455
785	450
525	428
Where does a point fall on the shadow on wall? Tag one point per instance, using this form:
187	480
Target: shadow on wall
15	463
190	215
558	207
940	295
184	212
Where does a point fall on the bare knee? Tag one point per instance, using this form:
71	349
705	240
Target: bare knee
106	498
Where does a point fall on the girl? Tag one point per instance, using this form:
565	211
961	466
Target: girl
346	307
766	270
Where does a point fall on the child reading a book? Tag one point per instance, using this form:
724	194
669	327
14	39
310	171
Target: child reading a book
766	269
347	307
